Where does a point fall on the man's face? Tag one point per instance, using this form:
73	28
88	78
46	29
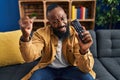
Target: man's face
58	19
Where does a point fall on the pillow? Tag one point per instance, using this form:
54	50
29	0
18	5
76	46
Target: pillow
9	48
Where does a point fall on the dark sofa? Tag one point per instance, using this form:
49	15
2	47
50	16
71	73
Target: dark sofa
106	52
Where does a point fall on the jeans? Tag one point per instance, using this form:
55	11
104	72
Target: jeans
68	73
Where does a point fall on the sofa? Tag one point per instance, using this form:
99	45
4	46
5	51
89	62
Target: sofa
105	49
106	52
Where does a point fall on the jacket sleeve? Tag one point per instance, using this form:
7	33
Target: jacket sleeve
32	50
84	62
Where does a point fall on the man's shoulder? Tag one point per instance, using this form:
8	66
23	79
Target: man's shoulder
44	31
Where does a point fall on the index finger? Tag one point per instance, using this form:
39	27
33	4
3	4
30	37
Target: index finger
84	28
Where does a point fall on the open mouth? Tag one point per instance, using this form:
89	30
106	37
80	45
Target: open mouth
62	29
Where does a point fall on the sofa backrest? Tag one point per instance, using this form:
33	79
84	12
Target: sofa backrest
108	43
93	48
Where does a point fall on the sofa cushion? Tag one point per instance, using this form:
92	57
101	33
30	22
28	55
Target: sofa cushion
101	71
93	48
16	72
112	65
9	48
108	42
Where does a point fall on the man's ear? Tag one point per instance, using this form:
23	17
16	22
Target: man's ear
48	23
48	20
48	16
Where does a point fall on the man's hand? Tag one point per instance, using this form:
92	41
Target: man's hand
84	47
26	25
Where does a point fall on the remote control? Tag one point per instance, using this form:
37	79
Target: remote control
76	24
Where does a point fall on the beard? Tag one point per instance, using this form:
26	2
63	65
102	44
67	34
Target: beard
61	35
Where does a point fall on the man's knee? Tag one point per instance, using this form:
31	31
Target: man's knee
86	77
42	74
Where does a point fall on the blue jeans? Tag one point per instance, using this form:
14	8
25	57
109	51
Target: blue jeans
68	73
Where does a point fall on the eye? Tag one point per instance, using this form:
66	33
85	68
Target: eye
63	18
55	22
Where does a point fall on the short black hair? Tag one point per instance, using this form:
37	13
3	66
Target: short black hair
51	7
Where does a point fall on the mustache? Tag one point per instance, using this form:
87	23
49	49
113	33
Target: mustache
60	34
62	26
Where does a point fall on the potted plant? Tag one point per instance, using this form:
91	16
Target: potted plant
33	15
107	13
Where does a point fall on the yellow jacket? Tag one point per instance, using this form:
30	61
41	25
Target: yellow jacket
44	43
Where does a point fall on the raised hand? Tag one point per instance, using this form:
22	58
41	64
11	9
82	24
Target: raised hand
26	25
88	41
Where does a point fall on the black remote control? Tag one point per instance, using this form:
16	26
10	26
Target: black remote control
76	24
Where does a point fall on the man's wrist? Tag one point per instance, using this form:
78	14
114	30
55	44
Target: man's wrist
83	52
25	39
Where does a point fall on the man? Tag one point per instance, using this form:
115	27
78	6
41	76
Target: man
61	52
